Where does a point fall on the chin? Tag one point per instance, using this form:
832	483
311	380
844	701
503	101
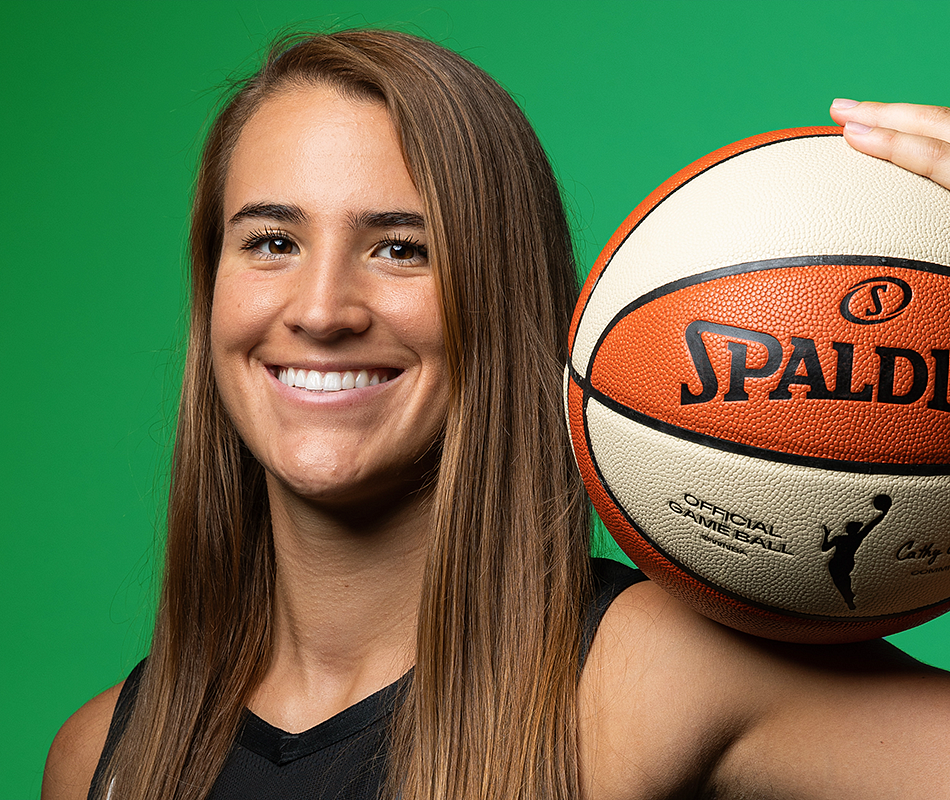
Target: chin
385	489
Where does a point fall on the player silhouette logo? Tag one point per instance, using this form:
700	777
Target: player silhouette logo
845	545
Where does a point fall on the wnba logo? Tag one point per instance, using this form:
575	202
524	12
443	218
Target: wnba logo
875	300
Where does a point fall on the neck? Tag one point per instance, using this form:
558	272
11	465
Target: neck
345	605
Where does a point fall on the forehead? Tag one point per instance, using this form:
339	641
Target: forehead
313	145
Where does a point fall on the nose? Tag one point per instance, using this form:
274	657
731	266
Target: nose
328	297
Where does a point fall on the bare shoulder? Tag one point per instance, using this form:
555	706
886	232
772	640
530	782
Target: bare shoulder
672	704
662	697
861	721
75	751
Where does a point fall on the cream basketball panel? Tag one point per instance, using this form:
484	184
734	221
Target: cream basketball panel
757	527
732	214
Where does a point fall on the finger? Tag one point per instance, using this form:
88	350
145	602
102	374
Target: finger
924	155
931	121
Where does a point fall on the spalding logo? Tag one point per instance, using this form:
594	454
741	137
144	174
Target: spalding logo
876	300
791	356
803	368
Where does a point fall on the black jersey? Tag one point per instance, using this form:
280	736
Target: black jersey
343	757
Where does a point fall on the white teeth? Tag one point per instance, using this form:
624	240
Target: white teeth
315	381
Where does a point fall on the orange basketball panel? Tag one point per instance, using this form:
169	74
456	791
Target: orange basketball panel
792	373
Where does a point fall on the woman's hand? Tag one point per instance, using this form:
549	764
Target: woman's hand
912	136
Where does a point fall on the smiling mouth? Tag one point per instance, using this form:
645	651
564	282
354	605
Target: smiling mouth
314	381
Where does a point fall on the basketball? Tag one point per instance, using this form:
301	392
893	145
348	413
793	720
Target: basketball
758	389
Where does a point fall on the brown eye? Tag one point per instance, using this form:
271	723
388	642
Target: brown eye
279	247
403	251
270	244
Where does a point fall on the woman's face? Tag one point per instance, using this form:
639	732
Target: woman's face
326	331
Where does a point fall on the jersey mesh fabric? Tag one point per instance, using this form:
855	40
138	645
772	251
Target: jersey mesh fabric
344	757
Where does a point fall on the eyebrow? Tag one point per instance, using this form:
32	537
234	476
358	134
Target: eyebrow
294	215
279	212
387	219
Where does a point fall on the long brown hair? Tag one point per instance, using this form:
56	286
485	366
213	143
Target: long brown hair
491	709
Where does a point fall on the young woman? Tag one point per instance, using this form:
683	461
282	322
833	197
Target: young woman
377	580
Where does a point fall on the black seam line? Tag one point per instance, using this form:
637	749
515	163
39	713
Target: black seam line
729	446
684	183
788	262
641	531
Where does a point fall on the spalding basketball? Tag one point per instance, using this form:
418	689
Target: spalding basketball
758	389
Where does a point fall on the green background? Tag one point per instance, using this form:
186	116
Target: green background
103	104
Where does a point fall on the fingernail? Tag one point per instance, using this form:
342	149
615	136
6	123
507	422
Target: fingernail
842	102
857	127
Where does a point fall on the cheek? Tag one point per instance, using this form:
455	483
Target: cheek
236	326
223	348
412	314
238	315
223	338
235	330
423	322
432	350
434	338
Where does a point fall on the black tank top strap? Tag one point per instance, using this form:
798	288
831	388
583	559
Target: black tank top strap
120	718
610	578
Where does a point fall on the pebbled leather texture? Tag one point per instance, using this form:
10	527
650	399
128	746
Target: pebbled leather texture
758	389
